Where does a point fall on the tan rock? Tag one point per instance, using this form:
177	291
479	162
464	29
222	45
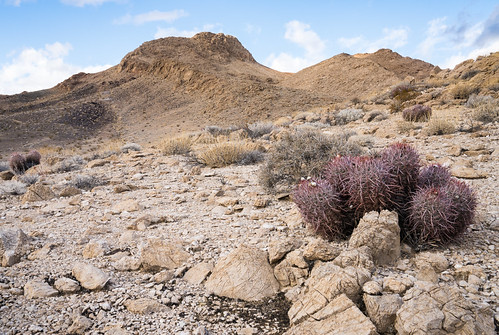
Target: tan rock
467	173
381	233
69	191
243	274
436	260
89	276
66	285
95	248
198	273
158	254
338	317
279	248
396	285
382	310
129	205
319	249
6	175
80	325
38	192
97	163
38	289
144	306
360	257
13	246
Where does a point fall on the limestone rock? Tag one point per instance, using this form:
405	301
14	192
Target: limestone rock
372	287
382	310
38	192
381	233
360	257
396	285
279	248
243	274
436	260
69	191
432	309
198	273
319	249
127	263
89	276
325	283
158	254
467	173
66	285
6	175
288	273
97	163
339	317
144	306
129	205
80	325
13	245
95	248
38	289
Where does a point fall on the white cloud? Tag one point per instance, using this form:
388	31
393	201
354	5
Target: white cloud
172	31
152	16
82	3
392	39
435	34
252	29
301	34
454	60
36	69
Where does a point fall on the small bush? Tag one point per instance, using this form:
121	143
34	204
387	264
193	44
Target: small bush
4	166
402	92
17	163
348	115
226	153
486	111
469	74
251	157
464	91
130	147
181	145
475	100
417	113
258	129
301	154
13	187
29	179
86	182
70	164
439	126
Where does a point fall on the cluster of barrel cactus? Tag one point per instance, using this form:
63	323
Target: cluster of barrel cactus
433	207
19	163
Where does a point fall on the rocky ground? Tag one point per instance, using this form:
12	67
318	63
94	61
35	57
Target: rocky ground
166	246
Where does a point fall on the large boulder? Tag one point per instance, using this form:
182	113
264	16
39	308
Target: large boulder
326	282
339	317
381	233
382	310
158	254
13	246
432	309
243	274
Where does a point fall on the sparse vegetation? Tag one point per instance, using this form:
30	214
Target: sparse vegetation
464	91
86	182
227	153
301	154
416	113
131	147
439	126
29	179
259	129
348	115
181	145
13	187
485	108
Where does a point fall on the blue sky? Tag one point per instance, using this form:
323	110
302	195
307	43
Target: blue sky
43	42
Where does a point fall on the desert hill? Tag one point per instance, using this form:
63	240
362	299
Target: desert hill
171	85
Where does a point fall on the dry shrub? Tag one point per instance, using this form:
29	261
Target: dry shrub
227	153
440	126
464	91
405	127
180	145
301	154
417	113
485	108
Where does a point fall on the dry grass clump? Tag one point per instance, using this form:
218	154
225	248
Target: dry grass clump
181	145
405	127
440	126
70	164
227	153
86	182
259	129
300	154
464	91
348	115
485	108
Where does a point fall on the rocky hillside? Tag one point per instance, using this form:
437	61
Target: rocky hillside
175	84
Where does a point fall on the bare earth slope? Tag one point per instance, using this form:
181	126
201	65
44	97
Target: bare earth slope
173	84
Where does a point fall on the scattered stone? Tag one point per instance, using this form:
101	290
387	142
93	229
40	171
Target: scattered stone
127	263
338	317
89	276
243	274
198	273
97	163
279	248
396	285
13	246
467	173
382	310
6	175
38	289
319	249
66	285
38	192
69	191
372	288
129	205
80	325
381	233
158	254
144	306
95	248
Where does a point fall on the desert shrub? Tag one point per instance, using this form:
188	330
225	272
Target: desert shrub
226	153
181	145
29	179
86	182
32	158
440	126
464	91
320	206
469	74
17	163
216	130
301	154
416	113
441	214
405	127
4	166
251	157
13	187
402	92
485	108
131	147
258	129
348	115
70	164
476	100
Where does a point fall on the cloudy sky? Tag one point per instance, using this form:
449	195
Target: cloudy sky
43	42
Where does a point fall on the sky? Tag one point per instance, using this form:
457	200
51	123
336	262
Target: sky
43	42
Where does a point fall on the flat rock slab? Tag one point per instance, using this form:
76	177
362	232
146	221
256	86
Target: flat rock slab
39	289
158	254
89	276
243	274
144	306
